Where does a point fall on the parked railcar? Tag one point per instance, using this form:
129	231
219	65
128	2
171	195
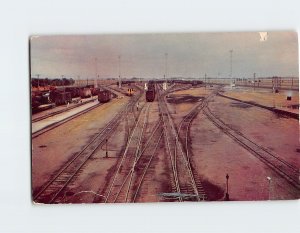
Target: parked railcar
95	90
35	101
60	98
104	96
85	92
75	91
130	91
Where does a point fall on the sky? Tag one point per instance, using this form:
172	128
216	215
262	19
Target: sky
144	55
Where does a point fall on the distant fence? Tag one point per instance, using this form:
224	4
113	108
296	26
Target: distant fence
276	82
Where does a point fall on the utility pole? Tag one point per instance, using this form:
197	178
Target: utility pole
166	65
62	79
96	69
38	79
119	71
231	51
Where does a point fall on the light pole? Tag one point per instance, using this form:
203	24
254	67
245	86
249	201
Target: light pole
227	189
269	180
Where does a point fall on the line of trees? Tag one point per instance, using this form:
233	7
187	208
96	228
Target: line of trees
35	82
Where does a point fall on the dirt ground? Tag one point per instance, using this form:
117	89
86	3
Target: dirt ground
266	97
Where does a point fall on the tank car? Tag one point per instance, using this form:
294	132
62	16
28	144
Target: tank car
104	96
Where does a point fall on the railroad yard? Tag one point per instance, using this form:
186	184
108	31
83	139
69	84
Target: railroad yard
168	142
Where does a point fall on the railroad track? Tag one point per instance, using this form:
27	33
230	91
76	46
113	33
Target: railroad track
279	165
184	181
183	134
119	188
60	111
136	170
53	190
194	187
145	159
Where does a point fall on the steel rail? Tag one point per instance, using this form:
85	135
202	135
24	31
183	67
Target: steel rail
167	140
121	162
146	168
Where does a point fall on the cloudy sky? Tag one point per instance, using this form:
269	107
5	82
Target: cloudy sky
143	55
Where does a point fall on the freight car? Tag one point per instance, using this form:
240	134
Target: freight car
104	96
151	86
75	91
60	98
85	92
150	95
95	90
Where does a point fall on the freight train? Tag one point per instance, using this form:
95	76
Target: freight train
150	93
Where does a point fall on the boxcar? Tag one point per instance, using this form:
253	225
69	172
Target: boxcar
104	96
75	91
60	98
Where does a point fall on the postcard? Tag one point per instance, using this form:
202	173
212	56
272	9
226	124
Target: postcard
171	117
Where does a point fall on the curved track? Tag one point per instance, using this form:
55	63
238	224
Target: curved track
279	165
